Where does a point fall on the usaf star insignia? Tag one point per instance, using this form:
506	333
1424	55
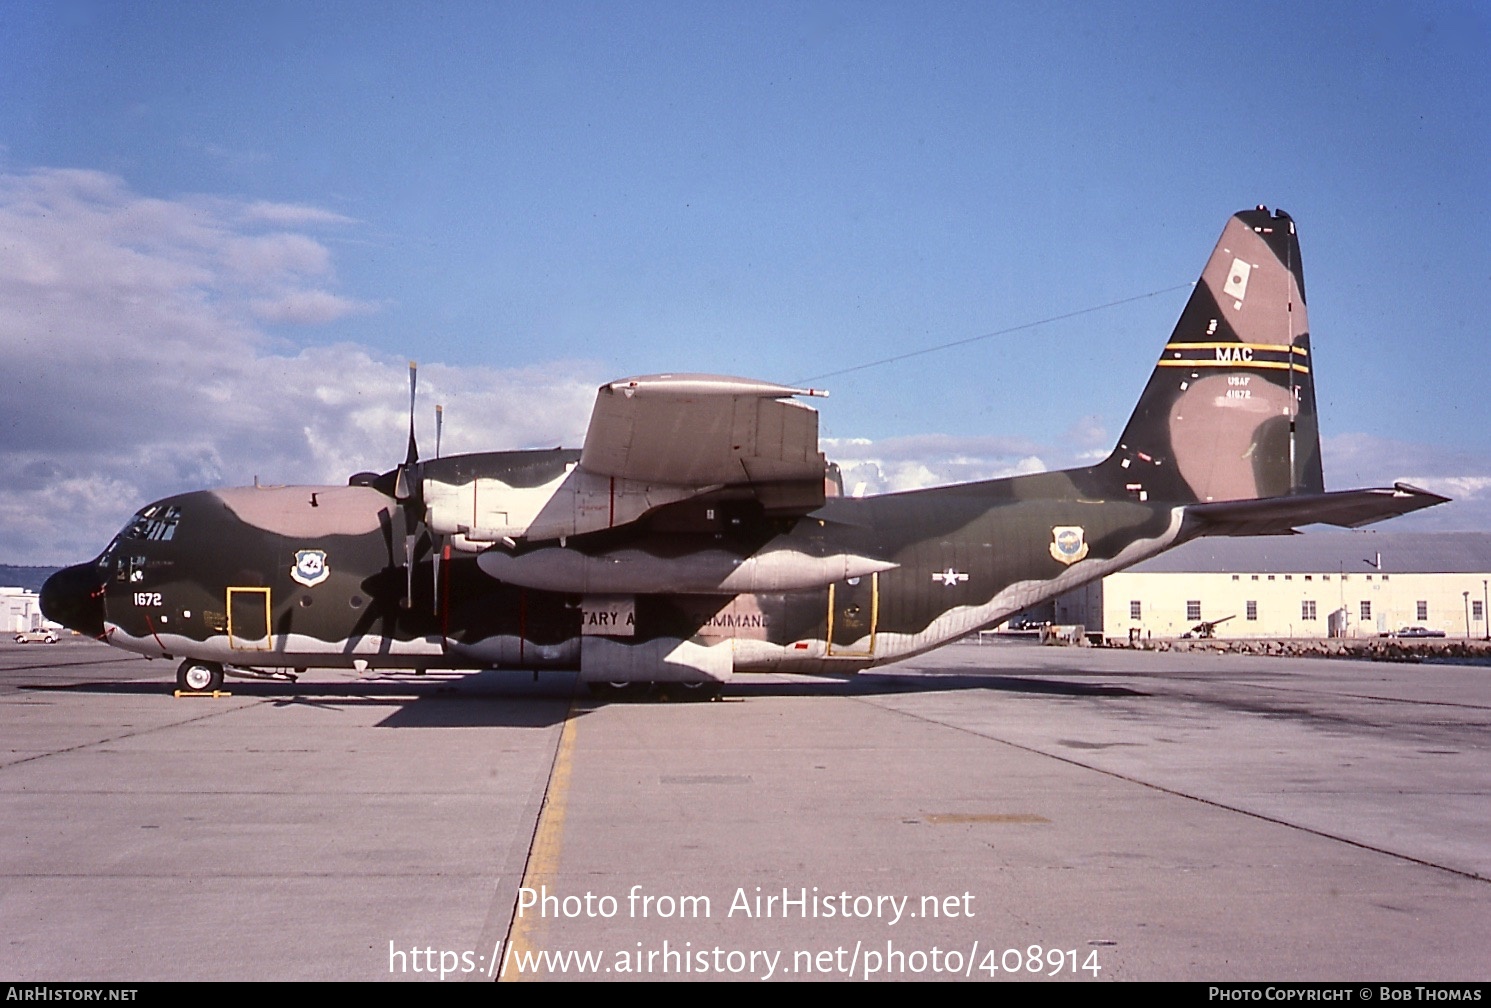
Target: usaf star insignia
310	567
949	577
1066	543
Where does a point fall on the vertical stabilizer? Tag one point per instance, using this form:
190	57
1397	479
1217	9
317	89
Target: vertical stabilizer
1229	412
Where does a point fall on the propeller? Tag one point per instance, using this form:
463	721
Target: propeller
405	491
408	491
439	551
403	488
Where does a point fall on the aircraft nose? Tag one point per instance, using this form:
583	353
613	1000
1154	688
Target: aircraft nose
74	597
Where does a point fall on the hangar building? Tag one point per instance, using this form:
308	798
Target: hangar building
20	609
1321	584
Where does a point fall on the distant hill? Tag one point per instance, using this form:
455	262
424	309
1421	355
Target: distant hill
25	577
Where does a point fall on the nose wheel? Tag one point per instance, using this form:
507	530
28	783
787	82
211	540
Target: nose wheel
199	677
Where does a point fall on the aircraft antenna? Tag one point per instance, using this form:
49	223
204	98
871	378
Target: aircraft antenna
439	422
990	335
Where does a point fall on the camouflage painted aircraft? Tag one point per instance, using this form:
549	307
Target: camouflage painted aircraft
695	535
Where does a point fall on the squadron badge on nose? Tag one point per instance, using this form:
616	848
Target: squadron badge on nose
1067	545
310	567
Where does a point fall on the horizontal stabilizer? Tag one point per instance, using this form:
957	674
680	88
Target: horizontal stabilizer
1280	515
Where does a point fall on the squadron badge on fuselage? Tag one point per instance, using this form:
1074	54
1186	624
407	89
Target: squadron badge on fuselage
310	567
1067	545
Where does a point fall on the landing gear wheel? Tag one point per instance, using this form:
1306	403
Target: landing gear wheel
199	677
607	690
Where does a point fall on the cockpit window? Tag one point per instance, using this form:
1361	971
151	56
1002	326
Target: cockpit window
155	523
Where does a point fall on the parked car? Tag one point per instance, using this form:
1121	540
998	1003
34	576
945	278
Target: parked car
42	636
1412	631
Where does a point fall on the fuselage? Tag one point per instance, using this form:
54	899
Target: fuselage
301	576
693	536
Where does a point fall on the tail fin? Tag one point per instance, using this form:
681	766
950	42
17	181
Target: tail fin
1229	412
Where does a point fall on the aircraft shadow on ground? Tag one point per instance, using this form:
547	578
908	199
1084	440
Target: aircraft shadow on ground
517	699
472	701
930	681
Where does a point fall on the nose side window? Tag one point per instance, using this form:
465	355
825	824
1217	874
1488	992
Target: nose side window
130	569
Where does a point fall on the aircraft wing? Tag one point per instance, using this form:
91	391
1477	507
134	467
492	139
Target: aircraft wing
702	430
653	440
1280	515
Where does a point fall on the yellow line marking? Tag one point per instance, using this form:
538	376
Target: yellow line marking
1280	347
1271	365
543	856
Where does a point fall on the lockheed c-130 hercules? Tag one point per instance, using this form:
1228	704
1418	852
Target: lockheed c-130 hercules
692	537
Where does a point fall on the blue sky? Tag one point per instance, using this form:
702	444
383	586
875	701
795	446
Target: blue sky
224	229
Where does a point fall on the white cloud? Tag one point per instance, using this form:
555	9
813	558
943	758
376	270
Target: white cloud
924	460
309	307
136	366
1363	460
1463	487
290	214
260	259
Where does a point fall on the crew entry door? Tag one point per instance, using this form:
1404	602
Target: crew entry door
853	611
248	619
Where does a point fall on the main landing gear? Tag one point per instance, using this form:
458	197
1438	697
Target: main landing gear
684	691
194	676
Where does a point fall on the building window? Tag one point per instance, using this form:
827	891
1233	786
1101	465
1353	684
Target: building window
1309	577
1288	577
1307	609
1270	577
1135	609
1193	609
1423	610
1477	611
1236	577
1366	612
1253	577
1252	610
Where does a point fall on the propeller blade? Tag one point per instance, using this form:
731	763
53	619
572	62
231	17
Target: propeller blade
439	422
413	453
409	543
